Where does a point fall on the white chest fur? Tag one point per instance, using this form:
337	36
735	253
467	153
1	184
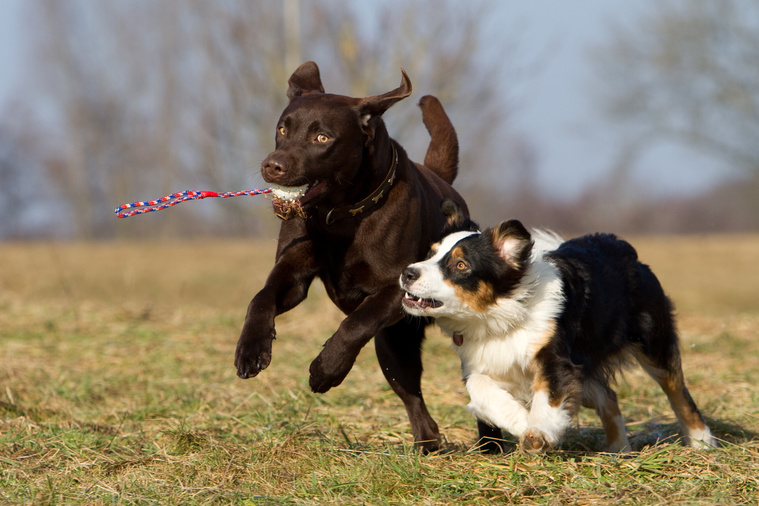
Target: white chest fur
501	343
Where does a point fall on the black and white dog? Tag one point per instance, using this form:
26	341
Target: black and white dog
542	325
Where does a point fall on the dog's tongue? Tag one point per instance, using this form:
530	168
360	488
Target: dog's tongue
458	338
312	192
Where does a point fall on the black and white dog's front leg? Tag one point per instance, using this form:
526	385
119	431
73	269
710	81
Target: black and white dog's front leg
547	421
557	395
494	406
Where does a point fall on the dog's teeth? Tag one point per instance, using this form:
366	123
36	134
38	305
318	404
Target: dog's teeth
289	193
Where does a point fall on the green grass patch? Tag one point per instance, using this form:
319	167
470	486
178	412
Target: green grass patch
117	386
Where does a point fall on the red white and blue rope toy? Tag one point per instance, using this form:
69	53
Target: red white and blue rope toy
176	198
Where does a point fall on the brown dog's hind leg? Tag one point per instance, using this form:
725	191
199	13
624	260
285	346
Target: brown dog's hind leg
443	152
399	352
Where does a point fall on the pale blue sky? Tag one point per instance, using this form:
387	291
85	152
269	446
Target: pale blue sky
10	61
557	111
554	109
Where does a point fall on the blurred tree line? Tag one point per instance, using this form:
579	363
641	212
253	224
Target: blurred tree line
686	72
138	99
132	100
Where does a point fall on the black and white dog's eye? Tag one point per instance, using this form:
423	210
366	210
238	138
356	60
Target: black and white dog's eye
461	265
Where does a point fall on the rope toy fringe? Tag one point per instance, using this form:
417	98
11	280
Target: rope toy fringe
176	198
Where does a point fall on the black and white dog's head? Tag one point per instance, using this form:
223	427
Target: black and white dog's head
468	271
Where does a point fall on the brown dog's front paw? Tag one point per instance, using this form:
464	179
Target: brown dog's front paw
326	373
534	441
252	357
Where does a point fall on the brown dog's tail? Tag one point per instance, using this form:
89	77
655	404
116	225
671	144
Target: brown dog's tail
443	153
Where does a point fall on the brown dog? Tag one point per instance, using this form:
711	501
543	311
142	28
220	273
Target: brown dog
358	212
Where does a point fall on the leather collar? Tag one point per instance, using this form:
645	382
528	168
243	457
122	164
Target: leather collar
340	213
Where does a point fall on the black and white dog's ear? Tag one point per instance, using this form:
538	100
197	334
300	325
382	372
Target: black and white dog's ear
513	243
305	80
456	219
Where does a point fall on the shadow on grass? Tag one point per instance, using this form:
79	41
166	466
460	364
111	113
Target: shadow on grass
577	443
726	431
593	440
730	432
589	441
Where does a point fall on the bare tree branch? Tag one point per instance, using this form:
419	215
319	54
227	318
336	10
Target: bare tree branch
688	71
143	98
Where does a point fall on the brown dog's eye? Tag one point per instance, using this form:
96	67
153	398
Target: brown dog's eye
281	130
321	138
461	265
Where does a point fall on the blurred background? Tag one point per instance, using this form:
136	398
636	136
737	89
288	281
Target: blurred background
610	115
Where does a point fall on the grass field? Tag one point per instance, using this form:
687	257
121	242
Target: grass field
117	386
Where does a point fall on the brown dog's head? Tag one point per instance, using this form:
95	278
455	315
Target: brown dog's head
322	140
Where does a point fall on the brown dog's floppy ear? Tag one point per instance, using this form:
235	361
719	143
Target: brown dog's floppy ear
373	107
456	219
305	80
513	242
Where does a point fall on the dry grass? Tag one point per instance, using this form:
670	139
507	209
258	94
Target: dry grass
117	385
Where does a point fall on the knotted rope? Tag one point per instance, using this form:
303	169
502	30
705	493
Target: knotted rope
176	198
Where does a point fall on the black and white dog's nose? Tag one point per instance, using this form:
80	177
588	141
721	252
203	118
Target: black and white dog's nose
410	274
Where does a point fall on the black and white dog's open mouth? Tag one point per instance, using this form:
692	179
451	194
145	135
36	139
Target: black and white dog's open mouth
414	302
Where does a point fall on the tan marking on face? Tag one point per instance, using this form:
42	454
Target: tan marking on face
479	300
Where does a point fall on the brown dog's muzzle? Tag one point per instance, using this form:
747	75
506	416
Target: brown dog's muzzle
274	168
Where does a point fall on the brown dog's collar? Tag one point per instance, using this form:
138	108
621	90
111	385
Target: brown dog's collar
340	213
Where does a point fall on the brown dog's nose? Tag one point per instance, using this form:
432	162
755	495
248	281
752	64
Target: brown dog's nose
273	167
409	275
